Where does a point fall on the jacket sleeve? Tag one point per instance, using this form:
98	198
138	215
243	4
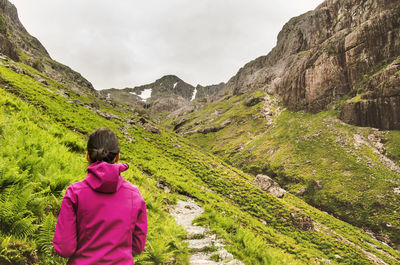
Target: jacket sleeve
140	230
65	237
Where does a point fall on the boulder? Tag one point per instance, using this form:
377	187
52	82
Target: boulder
265	183
151	128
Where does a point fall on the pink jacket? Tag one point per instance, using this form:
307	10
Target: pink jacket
102	219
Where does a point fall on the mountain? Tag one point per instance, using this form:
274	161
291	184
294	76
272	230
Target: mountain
44	125
345	52
344	55
20	46
283	114
165	95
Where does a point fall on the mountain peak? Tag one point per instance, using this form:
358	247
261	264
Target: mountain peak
169	78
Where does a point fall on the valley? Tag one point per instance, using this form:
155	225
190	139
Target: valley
316	117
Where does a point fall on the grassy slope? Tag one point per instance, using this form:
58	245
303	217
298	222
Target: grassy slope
302	149
42	148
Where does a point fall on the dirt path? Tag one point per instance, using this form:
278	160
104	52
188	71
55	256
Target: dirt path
206	248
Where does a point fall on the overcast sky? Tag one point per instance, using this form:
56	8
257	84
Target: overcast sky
124	43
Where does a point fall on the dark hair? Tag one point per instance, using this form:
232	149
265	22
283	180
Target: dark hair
103	146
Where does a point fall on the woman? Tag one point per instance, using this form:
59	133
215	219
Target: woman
103	218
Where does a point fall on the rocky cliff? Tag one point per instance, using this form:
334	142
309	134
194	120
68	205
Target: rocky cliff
209	93
344	52
17	44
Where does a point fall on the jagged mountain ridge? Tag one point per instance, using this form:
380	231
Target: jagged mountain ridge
167	94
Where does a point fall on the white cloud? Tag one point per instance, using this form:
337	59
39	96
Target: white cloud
126	43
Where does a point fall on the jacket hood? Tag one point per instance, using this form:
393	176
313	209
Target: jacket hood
105	177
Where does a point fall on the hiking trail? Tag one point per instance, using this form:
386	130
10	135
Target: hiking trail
205	247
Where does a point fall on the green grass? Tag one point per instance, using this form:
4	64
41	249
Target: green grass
42	142
392	144
303	52
41	157
300	148
357	98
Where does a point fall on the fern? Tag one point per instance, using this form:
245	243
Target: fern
46	232
158	252
24	227
15	218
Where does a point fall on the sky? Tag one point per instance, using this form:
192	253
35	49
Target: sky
126	43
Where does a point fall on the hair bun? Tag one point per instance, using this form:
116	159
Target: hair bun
100	154
102	151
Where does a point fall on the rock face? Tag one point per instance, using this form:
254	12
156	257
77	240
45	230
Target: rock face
379	104
14	36
208	92
168	104
342	49
381	112
17	44
265	183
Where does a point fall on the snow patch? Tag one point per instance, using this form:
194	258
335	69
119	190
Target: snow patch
194	94
146	94
175	84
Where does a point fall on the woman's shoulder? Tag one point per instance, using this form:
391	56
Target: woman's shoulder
127	185
78	185
133	189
